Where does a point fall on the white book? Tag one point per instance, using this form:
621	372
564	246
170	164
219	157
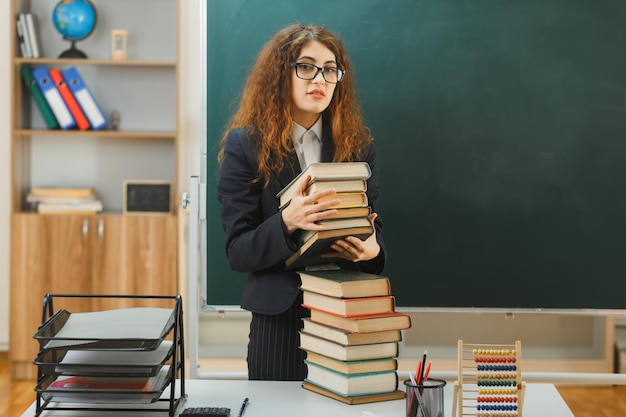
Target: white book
21	19
20	38
31	198
91	206
32	36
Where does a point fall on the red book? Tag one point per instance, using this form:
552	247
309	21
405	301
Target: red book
81	120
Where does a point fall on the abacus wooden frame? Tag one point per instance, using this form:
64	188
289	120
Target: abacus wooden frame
466	387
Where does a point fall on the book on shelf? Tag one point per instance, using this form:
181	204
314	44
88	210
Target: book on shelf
310	253
340	186
345	283
357	399
70	101
334	350
336	224
22	30
53	96
349	307
353	367
72	192
325	171
38	98
351	384
34	199
88	207
85	98
364	324
33	35
20	37
344	337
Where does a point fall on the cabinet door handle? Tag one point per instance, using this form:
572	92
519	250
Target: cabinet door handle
85	228
185	200
101	228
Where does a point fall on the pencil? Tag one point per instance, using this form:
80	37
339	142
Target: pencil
423	368
427	371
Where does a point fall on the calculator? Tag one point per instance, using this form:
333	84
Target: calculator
205	412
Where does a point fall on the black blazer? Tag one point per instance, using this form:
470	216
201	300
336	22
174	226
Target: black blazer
256	241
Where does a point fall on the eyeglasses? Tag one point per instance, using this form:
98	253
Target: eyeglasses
309	71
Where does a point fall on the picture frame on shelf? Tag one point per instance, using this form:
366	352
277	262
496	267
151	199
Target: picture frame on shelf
119	44
147	197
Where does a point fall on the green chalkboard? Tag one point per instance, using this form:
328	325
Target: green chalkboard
501	130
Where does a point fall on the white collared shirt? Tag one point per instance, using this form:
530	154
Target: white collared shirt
308	143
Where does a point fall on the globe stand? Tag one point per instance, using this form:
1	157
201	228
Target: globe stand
73	52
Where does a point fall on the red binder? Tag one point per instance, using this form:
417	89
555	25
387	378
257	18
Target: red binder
81	120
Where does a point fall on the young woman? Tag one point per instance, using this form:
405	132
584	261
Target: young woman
298	106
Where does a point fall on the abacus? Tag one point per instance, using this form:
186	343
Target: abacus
490	381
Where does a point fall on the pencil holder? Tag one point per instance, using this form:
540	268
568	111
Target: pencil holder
426	399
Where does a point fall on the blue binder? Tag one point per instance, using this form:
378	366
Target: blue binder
53	97
85	99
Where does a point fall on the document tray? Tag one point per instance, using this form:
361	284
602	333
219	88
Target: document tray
119	390
121	329
68	361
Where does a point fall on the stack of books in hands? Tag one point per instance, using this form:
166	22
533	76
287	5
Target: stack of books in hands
351	339
349	180
64	200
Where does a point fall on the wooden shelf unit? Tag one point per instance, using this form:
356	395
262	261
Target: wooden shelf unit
108	252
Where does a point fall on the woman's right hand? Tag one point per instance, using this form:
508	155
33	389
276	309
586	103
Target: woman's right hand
304	211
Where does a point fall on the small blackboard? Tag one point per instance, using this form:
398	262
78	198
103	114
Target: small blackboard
147	197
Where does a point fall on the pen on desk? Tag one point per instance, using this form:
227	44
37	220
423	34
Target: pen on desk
243	406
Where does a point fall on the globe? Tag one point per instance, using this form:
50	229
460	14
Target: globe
75	20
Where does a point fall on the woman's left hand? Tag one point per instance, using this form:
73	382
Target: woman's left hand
354	249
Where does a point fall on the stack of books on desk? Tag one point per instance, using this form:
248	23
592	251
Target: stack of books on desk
64	200
349	180
352	336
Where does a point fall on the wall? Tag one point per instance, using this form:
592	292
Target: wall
550	342
232	330
5	170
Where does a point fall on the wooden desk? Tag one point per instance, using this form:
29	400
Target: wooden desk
288	399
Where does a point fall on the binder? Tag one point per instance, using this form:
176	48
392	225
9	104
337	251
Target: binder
21	21
40	100
85	98
70	100
52	95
